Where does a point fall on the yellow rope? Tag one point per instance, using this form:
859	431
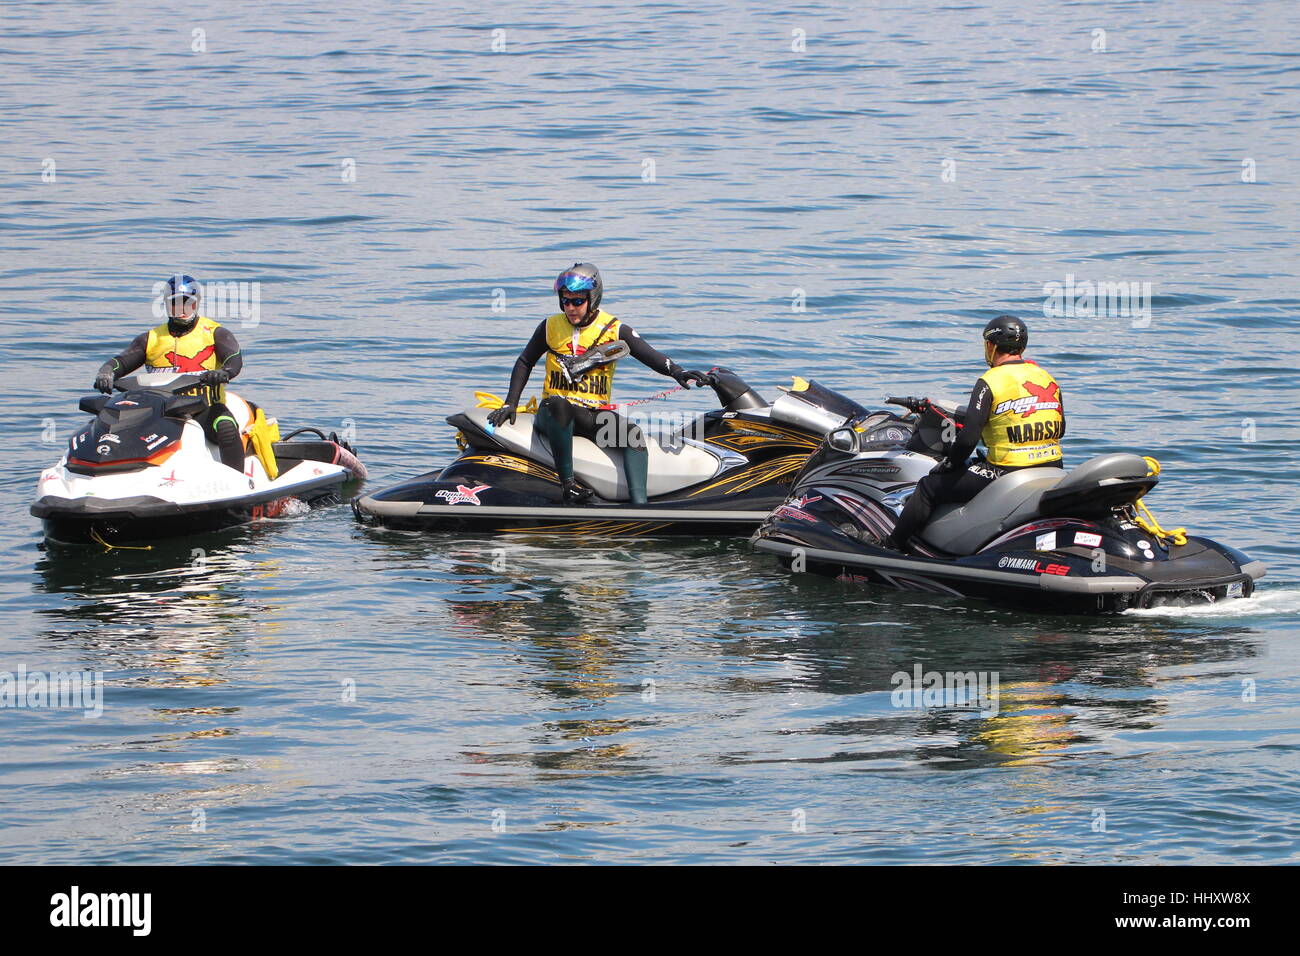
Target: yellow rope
98	539
1147	521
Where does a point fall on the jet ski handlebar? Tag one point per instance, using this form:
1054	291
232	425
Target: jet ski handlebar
158	381
918	405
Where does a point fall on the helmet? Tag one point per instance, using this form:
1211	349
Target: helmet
1007	333
181	287
583	277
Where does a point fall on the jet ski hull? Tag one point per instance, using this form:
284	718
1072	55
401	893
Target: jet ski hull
146	517
497	499
1028	579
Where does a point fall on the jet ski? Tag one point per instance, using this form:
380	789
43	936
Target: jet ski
143	467
1080	540
720	474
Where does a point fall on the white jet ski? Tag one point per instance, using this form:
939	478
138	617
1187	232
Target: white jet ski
144	468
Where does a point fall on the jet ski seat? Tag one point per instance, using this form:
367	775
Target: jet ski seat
1011	500
602	469
1096	485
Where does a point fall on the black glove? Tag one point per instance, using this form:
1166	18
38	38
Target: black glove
684	378
214	376
104	381
499	416
945	465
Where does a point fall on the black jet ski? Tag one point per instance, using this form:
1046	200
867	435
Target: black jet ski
1078	540
143	468
720	474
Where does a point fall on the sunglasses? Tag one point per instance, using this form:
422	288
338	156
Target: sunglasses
567	301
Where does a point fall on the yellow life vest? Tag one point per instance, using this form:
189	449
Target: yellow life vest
192	352
1027	417
597	386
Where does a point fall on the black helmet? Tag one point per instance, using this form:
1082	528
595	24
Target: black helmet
1007	333
583	277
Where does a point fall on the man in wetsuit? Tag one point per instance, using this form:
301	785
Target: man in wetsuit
582	407
189	343
1016	408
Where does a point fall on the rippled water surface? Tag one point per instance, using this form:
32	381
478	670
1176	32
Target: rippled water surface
324	692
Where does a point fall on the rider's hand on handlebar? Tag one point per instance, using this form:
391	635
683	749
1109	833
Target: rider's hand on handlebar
104	382
499	416
684	378
214	376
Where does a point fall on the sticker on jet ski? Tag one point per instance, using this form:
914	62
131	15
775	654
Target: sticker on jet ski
463	495
794	507
1029	564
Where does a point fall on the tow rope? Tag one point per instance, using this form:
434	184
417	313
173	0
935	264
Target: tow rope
488	400
617	406
96	537
1147	521
670	391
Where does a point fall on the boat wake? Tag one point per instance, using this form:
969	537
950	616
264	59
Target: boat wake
1268	601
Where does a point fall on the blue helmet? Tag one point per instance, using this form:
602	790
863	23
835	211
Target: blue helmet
583	277
182	287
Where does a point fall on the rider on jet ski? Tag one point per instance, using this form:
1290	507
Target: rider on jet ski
1016	407
583	407
187	342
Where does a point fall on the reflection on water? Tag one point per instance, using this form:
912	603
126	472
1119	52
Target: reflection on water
590	632
180	614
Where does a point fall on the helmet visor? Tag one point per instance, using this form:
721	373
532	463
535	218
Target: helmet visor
574	282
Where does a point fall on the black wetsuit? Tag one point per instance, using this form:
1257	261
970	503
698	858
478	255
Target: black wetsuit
229	357
217	421
959	483
587	422
557	415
